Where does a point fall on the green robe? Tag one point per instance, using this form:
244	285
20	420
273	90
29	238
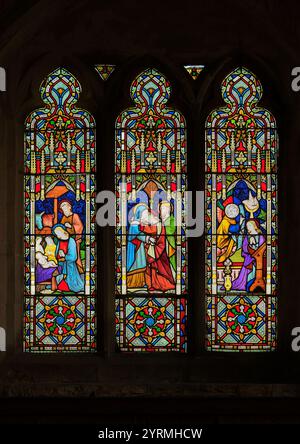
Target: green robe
170	232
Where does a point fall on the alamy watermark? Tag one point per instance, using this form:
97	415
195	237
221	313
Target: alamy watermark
181	209
296	339
2	79
295	85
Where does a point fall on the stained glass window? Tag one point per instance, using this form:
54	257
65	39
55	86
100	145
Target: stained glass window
241	219
150	169
59	228
105	71
194	70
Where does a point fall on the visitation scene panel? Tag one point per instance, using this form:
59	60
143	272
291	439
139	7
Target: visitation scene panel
241	219
151	252
60	273
155	257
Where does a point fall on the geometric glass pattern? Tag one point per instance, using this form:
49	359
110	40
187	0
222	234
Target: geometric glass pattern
150	174
156	324
105	71
194	70
241	219
59	225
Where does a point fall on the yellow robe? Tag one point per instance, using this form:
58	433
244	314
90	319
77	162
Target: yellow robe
224	240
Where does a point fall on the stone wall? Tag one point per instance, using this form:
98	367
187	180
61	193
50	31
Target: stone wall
38	36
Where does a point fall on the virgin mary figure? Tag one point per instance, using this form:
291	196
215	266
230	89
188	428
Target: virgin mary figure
67	277
136	257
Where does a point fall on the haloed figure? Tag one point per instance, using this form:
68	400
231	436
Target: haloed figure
226	242
159	276
67	277
136	256
73	225
251	276
168	220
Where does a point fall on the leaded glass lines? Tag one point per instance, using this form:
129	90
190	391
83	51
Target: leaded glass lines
241	219
59	226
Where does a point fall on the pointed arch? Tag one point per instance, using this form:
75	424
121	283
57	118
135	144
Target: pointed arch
60	256
150	167
241	219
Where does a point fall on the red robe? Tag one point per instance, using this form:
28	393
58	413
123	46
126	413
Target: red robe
63	246
159	275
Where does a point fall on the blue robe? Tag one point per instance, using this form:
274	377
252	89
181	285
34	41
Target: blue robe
69	268
136	256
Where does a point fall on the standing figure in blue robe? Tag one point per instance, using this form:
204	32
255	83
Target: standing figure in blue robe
136	256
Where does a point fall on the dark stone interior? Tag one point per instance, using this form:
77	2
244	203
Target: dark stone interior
38	36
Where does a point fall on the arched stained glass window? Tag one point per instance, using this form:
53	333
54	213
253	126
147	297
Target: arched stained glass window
59	224
151	264
241	219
